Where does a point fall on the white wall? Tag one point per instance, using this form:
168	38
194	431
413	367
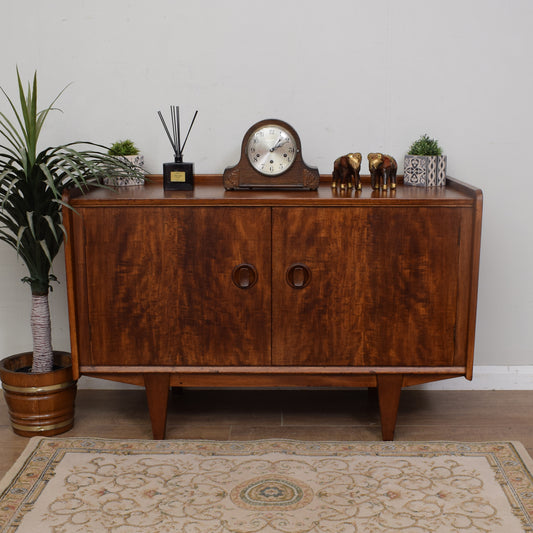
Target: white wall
347	74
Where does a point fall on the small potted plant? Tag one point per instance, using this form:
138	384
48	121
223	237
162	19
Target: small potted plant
424	164
38	386
127	151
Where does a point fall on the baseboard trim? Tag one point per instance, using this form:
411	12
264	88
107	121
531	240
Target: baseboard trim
495	377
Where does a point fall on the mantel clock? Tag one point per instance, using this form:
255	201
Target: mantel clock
271	158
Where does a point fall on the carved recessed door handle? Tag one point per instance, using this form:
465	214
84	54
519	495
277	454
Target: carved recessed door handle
244	276
298	276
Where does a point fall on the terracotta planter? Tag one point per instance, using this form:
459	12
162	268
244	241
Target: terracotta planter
39	404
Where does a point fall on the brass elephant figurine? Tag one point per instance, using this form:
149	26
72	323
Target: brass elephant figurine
382	171
346	171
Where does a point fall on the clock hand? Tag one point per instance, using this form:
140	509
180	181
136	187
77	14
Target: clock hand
279	143
276	145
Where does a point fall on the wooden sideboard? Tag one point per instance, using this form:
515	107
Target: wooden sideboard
276	288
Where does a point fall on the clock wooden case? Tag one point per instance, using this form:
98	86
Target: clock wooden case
271	158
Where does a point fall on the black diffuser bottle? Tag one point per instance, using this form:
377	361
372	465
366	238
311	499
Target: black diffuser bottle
177	176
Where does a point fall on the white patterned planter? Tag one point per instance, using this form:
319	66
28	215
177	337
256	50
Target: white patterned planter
135	160
425	170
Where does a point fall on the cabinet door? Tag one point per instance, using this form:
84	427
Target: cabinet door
160	290
384	286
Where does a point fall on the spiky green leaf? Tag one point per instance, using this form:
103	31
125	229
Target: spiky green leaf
29	218
44	246
52	226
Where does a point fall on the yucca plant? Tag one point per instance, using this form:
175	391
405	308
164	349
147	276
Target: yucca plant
31	186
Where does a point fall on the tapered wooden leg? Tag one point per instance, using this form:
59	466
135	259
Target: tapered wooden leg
389	389
157	387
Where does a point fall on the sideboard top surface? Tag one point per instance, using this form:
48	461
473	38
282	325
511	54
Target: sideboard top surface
209	190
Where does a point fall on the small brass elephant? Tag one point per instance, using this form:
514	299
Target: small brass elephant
382	171
346	171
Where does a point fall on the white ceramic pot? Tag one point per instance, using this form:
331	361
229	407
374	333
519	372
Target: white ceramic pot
119	181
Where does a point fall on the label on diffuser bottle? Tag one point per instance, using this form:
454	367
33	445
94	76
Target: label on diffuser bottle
177	176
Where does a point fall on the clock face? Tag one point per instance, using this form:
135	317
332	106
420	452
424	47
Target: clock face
271	150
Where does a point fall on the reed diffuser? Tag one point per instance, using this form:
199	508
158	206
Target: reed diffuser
177	176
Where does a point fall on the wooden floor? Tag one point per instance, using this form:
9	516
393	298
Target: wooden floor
296	414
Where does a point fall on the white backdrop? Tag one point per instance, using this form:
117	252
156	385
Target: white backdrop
349	75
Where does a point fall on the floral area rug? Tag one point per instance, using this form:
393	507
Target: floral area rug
124	486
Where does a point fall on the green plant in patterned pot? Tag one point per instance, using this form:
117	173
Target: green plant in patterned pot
129	153
424	164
